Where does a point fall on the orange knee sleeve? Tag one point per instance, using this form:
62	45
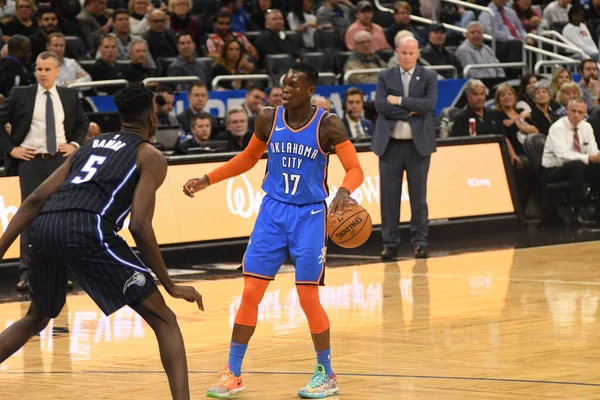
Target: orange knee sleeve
254	290
311	305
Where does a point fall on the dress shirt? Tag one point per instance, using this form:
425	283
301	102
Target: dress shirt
402	129
356	129
68	72
502	32
559	143
469	54
36	137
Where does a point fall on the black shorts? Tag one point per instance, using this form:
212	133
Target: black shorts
97	258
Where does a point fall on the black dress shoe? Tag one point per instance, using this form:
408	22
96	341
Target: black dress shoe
388	253
420	252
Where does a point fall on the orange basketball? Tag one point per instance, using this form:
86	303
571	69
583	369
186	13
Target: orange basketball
351	228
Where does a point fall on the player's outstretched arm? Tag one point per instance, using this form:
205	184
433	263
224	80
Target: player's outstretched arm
153	167
334	131
32	206
242	162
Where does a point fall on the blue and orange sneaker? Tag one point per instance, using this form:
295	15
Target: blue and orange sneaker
228	385
320	385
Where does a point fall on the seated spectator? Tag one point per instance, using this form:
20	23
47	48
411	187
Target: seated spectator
47	24
578	34
517	123
508	32
559	78
358	128
197	99
566	92
162	42
333	15
322	103
254	101
273	40
363	57
530	18
592	18
180	19
474	51
232	61
94	21
557	13
163	105
526	83
106	68
138	16
487	121
402	11
186	64
364	22
275	96
200	132
542	116
258	17
93	131
238	135
69	69
138	70
13	67
589	81
457	16
240	21
571	154
435	53
223	34
22	23
302	19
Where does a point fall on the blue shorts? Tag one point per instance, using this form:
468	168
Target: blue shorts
282	229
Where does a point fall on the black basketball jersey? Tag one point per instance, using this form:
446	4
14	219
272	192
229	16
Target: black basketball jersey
102	179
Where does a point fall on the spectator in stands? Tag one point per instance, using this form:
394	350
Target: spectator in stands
22	23
589	81
95	21
181	21
302	19
363	57
571	154
70	70
240	21
566	92
333	15
66	12
323	103
358	128
93	131
121	31
163	105
106	68
487	121
556	14
7	10
402	11
524	101
186	64
232	61
508	31
364	22
577	33
516	123
13	68
162	42
530	18
258	17
559	78
275	96
138	70
273	39
138	19
435	53
197	99
200	132
223	34
237	135
592	18
47	24
542	115
474	51
254	101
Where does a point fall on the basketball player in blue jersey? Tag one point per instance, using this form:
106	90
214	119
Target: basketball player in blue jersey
292	219
76	213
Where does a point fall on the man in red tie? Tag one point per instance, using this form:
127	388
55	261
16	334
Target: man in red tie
571	154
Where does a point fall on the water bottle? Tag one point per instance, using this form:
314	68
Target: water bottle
472	127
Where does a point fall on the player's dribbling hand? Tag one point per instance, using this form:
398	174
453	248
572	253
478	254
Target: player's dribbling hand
341	201
187	293
195	185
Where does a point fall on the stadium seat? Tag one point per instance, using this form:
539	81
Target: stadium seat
75	47
328	39
252	35
340	60
163	64
386	54
295	39
86	64
322	61
278	64
207	61
383	18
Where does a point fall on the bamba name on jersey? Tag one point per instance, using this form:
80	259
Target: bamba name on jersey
112	144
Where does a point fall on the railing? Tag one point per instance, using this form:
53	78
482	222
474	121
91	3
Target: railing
558	63
565	44
444	68
348	74
170	79
248	77
114	82
321	75
511	65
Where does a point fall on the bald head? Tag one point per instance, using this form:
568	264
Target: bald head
363	43
408	52
158	21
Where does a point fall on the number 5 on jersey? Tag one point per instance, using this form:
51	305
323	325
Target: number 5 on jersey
90	168
291	177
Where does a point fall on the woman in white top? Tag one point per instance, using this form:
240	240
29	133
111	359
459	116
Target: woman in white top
577	33
301	19
138	20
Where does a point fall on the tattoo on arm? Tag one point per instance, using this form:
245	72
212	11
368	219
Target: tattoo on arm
333	132
264	123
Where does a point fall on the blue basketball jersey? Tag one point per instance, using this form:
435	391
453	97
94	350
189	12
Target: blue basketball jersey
297	166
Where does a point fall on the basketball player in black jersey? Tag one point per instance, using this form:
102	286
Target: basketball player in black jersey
76	213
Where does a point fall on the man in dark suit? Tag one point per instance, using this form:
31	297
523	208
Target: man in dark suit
197	99
357	127
14	69
404	140
48	124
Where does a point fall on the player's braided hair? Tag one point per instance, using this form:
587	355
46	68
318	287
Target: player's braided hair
134	102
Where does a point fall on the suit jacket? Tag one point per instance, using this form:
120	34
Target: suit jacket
423	95
366	125
18	110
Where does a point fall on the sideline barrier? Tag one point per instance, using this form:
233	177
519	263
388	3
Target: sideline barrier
467	178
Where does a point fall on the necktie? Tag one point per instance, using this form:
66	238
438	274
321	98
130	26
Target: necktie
576	144
50	125
357	130
406	82
509	25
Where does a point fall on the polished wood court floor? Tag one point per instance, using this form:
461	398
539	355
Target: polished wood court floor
506	324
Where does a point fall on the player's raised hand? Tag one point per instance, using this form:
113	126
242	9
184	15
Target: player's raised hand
341	200
195	185
187	293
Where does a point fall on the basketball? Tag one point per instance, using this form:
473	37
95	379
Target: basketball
351	228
